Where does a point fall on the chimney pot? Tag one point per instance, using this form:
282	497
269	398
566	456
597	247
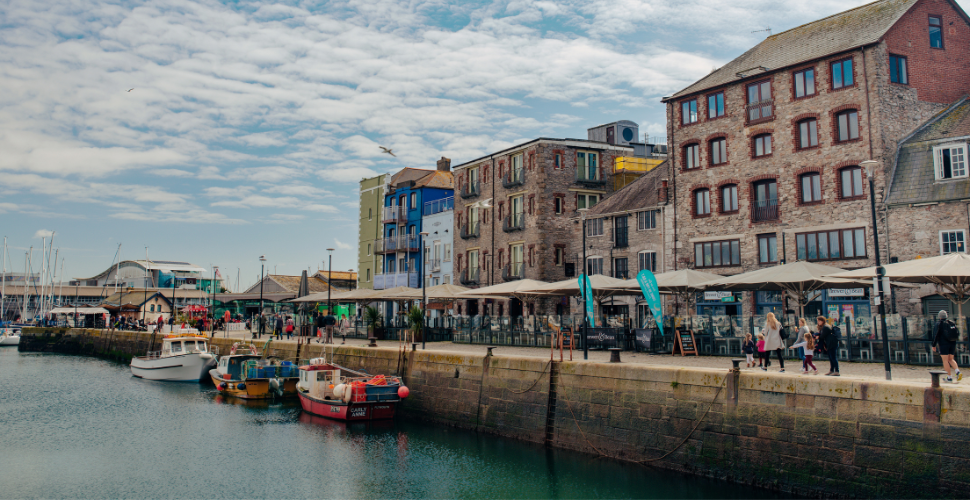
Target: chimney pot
444	164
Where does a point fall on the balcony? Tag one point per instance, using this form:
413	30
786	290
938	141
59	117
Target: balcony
469	277
393	214
408	243
764	210
386	245
513	271
514	178
514	222
621	237
434	265
470	189
583	177
470	230
438	206
393	280
760	112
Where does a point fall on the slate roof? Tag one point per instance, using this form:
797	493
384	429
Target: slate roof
858	27
121	299
639	194
913	177
409	174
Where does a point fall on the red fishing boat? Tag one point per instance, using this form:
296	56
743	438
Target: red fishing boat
325	391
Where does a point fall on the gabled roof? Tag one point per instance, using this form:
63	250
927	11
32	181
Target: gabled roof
409	174
437	179
337	275
639	194
854	28
913	179
122	299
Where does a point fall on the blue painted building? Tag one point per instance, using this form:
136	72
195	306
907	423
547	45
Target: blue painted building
402	219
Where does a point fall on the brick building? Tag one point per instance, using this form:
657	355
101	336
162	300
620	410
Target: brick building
516	213
768	150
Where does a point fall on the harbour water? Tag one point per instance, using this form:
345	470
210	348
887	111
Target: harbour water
77	427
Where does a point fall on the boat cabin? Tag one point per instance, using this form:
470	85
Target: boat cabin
319	380
183	345
233	365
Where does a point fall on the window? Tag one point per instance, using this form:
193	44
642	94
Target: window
517	212
715	105
842	74
718	151
762	145
897	70
516	258
952	242
370	214
717	254
515	170
446	256
807	133
446	279
557	161
811	188
765	201
847	123
586	166
594	227
936	32
688	111
367	274
692	156
647	220
950	161
729	198
647	261
559	204
414	201
586	200
851	182
767	248
831	245
559	256
621	268
759	102
594	265
805	83
702	202
368	248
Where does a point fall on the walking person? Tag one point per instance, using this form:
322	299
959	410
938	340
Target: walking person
289	327
828	340
803	351
748	347
945	337
763	360
330	322
807	344
279	327
262	326
773	340
344	325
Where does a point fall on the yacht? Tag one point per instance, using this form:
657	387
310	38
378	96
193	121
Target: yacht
9	336
183	358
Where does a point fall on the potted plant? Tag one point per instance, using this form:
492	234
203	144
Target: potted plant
415	319
372	317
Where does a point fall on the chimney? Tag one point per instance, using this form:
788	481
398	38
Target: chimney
662	194
444	164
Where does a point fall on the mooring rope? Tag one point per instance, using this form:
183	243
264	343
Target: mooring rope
536	382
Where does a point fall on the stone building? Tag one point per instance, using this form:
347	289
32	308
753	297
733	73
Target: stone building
516	213
768	150
628	232
929	201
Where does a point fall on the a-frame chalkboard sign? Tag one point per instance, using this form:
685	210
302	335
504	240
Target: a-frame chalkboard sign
684	343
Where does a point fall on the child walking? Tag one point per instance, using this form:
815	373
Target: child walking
748	347
808	343
763	360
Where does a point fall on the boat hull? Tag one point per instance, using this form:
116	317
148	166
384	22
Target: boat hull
10	340
189	367
349	412
252	388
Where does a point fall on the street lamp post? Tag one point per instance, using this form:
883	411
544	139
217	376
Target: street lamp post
880	283
262	269
329	284
582	288
424	288
212	302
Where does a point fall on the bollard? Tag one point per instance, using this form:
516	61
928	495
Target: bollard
414	346
734	382
614	354
737	362
373	341
933	399
490	350
935	374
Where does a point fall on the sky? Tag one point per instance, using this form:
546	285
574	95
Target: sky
216	132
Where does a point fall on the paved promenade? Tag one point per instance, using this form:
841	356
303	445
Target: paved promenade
856	371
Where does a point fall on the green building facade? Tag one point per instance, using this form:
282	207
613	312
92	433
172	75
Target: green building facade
369	229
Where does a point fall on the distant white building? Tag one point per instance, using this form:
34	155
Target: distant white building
152	274
439	222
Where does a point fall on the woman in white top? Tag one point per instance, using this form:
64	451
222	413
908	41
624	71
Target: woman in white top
773	340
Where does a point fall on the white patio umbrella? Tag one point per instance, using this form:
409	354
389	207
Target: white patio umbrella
950	272
603	287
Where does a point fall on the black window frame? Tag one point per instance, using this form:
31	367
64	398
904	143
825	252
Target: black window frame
733	248
802	241
938	27
621	272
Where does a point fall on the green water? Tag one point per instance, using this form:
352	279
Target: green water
75	427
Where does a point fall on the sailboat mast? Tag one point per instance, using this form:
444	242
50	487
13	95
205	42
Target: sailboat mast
117	267
23	314
39	298
3	282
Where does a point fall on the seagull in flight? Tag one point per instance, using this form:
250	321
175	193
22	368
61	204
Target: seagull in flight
388	151
129	90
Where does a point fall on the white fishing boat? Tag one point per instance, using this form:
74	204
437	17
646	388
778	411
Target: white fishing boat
9	336
183	358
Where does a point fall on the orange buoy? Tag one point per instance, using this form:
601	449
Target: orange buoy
403	392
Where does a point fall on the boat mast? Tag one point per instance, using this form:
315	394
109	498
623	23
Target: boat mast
117	267
39	298
60	290
3	282
27	255
50	293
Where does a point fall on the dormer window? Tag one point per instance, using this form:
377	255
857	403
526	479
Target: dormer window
950	161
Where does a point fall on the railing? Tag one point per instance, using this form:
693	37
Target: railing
514	222
438	206
763	210
582	177
515	177
621	237
761	111
513	271
408	243
434	265
393	214
470	230
470	189
469	276
393	280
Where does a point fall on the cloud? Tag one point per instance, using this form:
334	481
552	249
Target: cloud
43	233
341	245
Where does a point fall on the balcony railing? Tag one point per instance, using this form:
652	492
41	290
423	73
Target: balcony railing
408	243
393	280
393	214
515	177
761	111
438	206
765	210
584	178
386	245
621	237
514	222
470	189
470	230
469	277
513	271
434	265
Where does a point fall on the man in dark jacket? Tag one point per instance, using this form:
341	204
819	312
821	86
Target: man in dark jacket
828	339
279	327
945	336
262	326
329	321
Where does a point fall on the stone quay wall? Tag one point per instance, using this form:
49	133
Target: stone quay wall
806	435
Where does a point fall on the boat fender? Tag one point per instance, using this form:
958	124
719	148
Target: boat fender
276	386
222	386
338	392
403	392
241	386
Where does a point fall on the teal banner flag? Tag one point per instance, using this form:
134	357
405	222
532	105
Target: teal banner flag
586	289
651	293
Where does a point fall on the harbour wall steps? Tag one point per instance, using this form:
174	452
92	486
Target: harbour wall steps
803	435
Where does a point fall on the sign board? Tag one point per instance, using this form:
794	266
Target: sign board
727	299
684	343
566	336
651	293
601	338
717	296
642	338
848	292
